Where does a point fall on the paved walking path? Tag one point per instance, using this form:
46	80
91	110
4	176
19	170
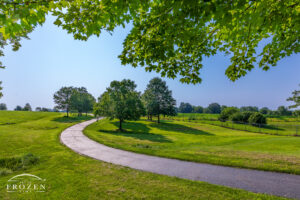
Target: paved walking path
279	184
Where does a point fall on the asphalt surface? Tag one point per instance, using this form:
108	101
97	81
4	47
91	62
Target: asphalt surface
279	184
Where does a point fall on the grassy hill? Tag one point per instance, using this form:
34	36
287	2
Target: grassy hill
70	176
201	142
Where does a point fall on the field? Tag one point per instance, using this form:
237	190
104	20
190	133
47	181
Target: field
72	176
276	125
202	142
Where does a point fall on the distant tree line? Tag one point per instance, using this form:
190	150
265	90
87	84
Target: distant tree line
27	107
215	108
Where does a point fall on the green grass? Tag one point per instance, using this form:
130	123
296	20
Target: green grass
70	176
202	143
281	125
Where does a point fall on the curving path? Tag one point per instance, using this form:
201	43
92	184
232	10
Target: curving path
279	184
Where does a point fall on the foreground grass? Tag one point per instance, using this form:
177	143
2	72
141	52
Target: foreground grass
71	176
202	143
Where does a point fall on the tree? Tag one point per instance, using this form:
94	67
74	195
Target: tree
227	112
295	98
249	108
282	110
18	108
171	37
120	101
3	106
214	108
82	101
257	118
62	98
185	108
197	109
265	110
45	109
158	99
223	107
27	107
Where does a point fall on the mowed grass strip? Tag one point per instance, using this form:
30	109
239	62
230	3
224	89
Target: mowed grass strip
202	143
71	176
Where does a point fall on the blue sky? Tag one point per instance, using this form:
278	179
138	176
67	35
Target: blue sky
52	59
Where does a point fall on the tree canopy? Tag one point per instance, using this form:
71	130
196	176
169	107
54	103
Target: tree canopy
158	99
185	108
81	100
27	107
3	106
170	37
62	98
120	101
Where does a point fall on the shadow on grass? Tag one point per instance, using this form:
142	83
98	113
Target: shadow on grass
136	130
71	119
179	128
271	127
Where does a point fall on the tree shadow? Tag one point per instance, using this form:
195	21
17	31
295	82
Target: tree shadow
71	119
179	128
271	127
136	130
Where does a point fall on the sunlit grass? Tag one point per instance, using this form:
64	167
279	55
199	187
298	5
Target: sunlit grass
202	143
70	176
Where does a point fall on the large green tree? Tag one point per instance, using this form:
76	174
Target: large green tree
81	100
158	99
170	37
120	101
62	99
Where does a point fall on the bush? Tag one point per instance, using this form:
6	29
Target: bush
246	115
227	112
257	118
236	117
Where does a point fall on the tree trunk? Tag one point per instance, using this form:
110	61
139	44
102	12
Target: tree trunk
158	118
120	125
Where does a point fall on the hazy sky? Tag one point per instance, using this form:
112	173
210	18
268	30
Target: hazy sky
52	59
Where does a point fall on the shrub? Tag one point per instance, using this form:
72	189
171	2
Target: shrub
236	117
227	112
257	118
246	115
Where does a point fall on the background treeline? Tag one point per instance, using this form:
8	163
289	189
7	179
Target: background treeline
215	108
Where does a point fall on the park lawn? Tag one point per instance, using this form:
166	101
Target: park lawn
72	176
280	125
202	143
